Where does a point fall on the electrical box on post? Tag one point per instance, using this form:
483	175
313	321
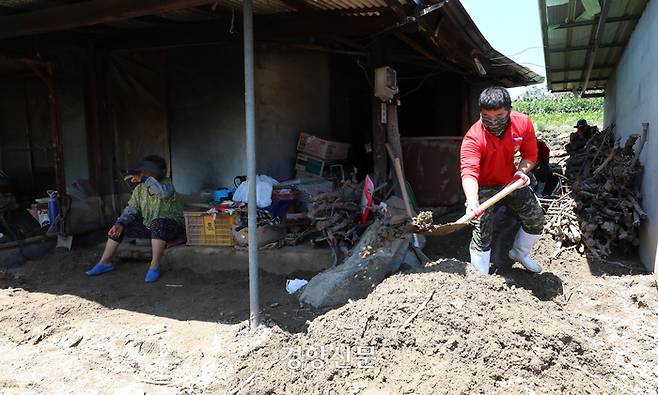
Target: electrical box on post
386	83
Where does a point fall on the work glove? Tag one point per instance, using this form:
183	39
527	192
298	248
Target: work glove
521	175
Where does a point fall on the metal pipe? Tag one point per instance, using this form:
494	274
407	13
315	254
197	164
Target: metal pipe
250	122
543	16
591	55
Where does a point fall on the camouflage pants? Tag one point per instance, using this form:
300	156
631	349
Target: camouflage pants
522	202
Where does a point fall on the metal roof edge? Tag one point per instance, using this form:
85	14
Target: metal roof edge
457	12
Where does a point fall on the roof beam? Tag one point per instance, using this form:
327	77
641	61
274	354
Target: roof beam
586	47
87	13
568	69
574	81
301	6
429	55
569	42
269	28
544	27
591	53
593	22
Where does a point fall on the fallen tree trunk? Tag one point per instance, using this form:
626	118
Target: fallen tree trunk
360	273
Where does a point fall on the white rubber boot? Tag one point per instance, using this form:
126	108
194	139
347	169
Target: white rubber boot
520	252
481	260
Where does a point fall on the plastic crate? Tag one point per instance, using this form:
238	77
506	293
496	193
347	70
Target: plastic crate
203	230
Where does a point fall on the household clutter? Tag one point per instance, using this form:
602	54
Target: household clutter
43	216
323	206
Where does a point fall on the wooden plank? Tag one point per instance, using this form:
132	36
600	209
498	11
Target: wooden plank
393	130
87	13
378	143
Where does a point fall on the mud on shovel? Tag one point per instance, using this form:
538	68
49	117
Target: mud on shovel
446	229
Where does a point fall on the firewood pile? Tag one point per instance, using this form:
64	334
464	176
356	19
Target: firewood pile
562	223
599	209
332	218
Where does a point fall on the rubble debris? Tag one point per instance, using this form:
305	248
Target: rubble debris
379	253
423	221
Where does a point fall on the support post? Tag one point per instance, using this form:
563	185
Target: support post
380	55
250	125
591	51
378	143
56	129
393	130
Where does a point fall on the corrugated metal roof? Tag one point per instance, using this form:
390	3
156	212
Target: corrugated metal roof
498	67
346	4
568	30
264	7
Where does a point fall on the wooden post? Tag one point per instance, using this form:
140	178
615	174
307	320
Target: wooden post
56	129
380	55
378	143
394	145
393	130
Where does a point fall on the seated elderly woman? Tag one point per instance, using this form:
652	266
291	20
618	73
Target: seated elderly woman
154	212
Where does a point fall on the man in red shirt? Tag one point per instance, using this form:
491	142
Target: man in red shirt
487	165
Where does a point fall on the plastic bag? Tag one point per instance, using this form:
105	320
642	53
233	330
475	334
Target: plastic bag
264	186
295	285
366	198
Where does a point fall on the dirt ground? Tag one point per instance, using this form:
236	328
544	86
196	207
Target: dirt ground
578	327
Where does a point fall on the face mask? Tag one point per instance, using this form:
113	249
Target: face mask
495	126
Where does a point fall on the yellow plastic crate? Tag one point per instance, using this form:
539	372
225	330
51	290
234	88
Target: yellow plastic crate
204	230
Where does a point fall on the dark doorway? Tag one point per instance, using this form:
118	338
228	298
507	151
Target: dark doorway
27	155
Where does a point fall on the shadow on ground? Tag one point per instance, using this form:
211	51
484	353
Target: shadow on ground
183	295
454	251
544	286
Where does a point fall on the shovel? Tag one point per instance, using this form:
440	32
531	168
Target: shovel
461	223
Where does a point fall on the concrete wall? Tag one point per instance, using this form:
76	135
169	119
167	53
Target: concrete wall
206	116
632	98
74	131
206	112
292	96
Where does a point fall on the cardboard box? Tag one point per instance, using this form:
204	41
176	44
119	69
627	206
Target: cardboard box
321	148
307	164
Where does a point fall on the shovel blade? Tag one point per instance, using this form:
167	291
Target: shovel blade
442	230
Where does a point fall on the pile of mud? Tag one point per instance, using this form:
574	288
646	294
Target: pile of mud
474	334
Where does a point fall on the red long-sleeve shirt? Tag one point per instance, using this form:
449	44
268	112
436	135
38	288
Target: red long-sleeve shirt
490	159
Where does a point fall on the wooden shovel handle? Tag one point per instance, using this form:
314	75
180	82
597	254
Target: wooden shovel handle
494	199
397	165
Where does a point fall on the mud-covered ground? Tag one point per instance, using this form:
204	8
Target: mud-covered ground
579	327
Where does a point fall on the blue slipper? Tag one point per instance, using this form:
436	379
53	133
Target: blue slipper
152	276
99	269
